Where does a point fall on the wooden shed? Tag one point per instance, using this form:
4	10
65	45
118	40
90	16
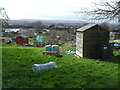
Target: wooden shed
22	39
88	40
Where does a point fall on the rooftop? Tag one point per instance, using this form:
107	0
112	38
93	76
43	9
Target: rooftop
24	36
86	27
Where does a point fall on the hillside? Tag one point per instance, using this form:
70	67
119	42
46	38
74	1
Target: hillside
26	21
72	72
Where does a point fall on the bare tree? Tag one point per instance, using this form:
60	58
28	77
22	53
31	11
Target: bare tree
104	10
3	19
59	36
38	26
105	25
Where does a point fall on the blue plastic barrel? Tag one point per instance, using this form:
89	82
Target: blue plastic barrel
116	44
48	48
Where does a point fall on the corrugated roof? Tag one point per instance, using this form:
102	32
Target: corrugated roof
86	27
24	36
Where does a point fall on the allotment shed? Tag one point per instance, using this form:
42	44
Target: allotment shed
22	39
88	40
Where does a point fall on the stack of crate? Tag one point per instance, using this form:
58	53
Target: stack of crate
52	50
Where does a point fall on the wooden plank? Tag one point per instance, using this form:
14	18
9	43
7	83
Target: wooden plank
50	53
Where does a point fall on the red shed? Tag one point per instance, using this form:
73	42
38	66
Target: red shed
22	39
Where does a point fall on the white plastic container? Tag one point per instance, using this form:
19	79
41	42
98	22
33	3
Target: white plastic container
48	48
39	67
55	48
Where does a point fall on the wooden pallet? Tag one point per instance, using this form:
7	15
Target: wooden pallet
50	53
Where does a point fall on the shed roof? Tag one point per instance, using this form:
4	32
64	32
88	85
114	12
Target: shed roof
24	36
86	27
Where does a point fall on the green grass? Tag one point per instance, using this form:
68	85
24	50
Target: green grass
72	72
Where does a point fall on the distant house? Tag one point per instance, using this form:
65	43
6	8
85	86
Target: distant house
27	33
22	39
11	34
112	34
12	30
117	35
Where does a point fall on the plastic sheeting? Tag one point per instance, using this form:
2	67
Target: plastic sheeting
70	52
39	67
39	39
116	44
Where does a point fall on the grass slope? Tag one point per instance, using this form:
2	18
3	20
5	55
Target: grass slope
72	72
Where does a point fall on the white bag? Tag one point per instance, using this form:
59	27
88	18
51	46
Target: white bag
38	67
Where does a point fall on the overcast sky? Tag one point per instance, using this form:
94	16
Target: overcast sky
44	9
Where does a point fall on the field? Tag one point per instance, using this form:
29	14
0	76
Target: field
72	72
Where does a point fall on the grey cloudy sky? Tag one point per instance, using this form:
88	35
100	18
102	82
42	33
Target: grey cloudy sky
44	9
